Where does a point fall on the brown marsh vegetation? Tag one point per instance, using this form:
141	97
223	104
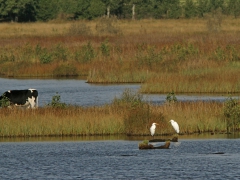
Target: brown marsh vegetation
181	55
127	115
110	120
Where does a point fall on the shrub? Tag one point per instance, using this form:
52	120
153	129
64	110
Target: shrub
105	49
232	113
88	52
45	57
214	20
136	118
148	56
6	58
56	102
107	26
65	70
171	98
129	97
60	53
79	28
4	102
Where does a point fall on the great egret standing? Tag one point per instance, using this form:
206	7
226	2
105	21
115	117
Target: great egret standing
152	129
175	125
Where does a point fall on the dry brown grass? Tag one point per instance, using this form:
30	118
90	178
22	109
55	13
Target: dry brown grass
192	117
155	52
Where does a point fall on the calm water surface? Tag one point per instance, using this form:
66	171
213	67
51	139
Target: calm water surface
112	158
120	159
78	92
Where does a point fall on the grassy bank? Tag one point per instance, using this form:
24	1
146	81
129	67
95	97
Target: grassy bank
165	55
128	115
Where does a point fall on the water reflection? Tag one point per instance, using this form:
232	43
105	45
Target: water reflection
195	136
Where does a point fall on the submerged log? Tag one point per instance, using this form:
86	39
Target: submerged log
174	139
150	146
145	146
165	146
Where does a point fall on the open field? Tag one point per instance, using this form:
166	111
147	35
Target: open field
184	52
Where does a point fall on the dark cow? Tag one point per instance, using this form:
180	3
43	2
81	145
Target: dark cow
27	98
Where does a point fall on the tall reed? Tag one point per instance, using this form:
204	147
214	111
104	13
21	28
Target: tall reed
129	115
165	55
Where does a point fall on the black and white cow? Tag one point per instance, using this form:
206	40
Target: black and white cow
26	98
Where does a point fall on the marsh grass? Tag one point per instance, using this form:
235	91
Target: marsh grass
59	122
166	55
128	115
110	120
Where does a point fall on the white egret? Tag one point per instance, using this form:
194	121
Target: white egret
175	125
152	128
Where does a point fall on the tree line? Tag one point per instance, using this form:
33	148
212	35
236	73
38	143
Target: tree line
45	10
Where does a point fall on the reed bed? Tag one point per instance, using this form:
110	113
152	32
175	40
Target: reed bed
133	118
59	122
165	55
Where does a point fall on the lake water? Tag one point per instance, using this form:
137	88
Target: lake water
193	157
78	92
214	158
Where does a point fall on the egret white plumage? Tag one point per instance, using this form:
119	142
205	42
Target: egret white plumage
152	128
175	125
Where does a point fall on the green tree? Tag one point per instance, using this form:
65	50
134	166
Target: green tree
96	9
190	9
215	4
174	9
112	6
130	7
233	8
160	8
68	8
29	11
18	9
202	7
47	10
146	9
232	113
82	9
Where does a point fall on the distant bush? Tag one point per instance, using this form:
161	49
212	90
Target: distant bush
65	70
171	98
7	58
85	54
79	28
107	26
147	56
129	97
214	20
59	52
232	113
4	102
105	48
56	102
138	115
45	57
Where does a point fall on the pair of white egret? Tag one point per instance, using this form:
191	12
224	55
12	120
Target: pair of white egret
174	125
